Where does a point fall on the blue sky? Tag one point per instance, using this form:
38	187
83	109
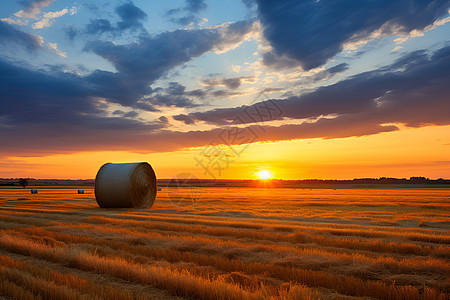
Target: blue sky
108	75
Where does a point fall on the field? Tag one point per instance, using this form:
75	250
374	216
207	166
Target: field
228	243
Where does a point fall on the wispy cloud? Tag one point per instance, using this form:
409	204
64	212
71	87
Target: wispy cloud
32	8
54	47
48	18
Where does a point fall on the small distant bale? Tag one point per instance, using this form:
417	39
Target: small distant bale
34	191
80	191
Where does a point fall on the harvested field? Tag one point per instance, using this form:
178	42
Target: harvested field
230	243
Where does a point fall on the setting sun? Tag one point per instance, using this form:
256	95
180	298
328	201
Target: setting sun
264	174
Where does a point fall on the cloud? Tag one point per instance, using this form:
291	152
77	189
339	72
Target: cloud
309	33
48	18
9	34
62	112
413	91
153	57
32	8
118	88
131	18
164	119
71	32
231	83
415	33
54	47
195	6
130	114
141	63
175	95
52	108
184	119
324	74
16	22
192	8
99	26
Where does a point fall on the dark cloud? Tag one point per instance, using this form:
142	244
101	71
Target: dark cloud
325	74
174	95
183	118
117	87
39	110
195	6
131	18
71	32
98	26
309	33
199	93
145	105
413	90
9	34
188	12
225	93
231	83
163	119
278	62
153	57
130	114
52	111
140	64
338	68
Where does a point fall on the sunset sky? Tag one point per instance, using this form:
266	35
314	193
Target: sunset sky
226	89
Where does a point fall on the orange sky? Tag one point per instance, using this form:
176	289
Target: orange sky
409	152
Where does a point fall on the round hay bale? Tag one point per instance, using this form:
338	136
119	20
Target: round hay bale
34	191
125	185
80	191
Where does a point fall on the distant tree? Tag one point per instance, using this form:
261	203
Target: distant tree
23	182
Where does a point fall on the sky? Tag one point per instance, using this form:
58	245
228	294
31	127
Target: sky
226	89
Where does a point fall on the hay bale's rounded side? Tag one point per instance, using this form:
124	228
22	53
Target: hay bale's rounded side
125	185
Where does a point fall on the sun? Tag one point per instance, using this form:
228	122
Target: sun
264	174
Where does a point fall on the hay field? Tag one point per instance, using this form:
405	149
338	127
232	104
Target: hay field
236	243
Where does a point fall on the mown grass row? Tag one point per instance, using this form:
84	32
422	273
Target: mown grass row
71	282
308	257
178	282
344	284
412	234
297	237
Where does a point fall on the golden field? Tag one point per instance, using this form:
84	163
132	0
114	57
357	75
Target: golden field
230	243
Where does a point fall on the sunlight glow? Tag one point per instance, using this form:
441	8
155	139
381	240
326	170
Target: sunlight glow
264	174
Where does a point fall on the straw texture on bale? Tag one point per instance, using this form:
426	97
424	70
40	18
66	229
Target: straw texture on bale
125	185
